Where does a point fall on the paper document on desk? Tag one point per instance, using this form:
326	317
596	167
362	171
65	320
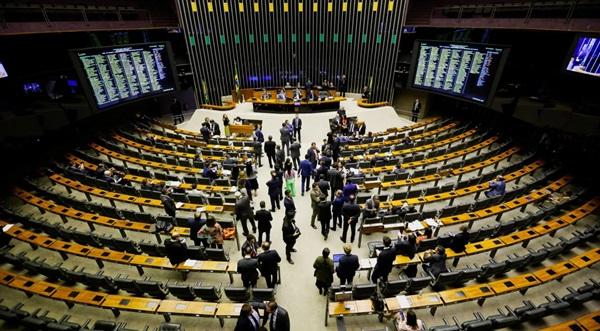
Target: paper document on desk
178	205
7	227
233	189
432	222
189	263
226	172
172	183
403	301
355	171
415	226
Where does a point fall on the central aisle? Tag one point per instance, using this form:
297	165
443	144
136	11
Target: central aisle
297	292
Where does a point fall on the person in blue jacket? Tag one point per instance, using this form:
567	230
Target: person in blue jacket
306	170
497	188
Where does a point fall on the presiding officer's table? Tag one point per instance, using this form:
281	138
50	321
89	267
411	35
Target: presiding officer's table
304	106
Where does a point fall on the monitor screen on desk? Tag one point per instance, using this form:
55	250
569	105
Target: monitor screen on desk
3	73
343	296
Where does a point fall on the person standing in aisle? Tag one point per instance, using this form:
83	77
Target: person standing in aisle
264	218
270	151
257	145
351	212
290	179
323	266
315	194
297	125
274	186
347	266
285	137
306	170
415	110
268	263
343	86
295	153
324	215
336	209
290	234
226	125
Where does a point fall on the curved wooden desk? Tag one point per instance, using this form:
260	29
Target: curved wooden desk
396	139
139	201
364	103
139	179
305	106
478	293
225	106
421	148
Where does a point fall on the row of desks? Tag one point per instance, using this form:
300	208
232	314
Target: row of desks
516	175
196	143
395	140
116	303
520	202
139	261
416	149
139	179
157	150
140	201
243	129
493	244
589	322
470	293
451	172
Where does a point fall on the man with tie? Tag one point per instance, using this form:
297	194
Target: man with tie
277	318
214	128
297	125
249	320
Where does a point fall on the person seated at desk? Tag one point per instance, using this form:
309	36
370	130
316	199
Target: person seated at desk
265	95
297	95
408	323
211	172
238	121
460	240
176	249
288	85
434	261
308	85
366	92
407	140
497	187
398	170
311	95
281	95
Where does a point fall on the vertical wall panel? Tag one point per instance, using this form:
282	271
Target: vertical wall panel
278	41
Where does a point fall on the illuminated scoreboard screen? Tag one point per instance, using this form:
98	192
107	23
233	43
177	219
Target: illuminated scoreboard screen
463	70
119	74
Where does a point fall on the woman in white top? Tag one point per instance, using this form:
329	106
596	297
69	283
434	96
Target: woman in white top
410	322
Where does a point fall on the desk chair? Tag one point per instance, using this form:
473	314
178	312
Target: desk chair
237	294
263	294
363	291
181	291
207	293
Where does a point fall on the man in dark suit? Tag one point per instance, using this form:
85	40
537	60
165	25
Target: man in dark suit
324	216
385	261
248	268
243	212
279	157
351	128
295	153
268	261
274	185
434	262
278	318
351	212
270	151
257	146
264	218
214	128
168	202
176	249
416	108
313	154
249	319
324	185
286	136
347	266
297	125
195	224
460	240
306	170
343	85
336	181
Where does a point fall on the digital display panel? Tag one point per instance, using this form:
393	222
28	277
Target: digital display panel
118	74
464	70
585	56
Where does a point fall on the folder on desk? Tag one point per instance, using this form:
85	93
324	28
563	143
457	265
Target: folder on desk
415	226
178	205
403	301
